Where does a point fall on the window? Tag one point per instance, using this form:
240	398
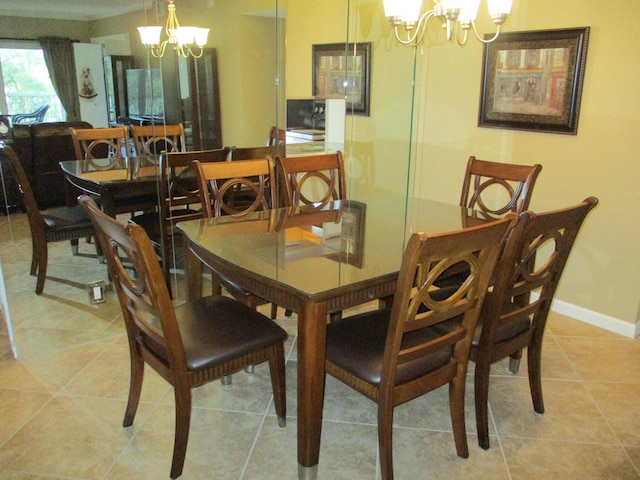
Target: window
25	83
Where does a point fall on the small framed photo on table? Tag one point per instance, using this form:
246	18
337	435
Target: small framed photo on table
533	80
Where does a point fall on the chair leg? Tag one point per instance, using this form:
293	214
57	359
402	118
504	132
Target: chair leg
74	246
385	440
42	257
278	384
514	362
135	387
483	369
456	406
274	311
534	359
183	421
34	257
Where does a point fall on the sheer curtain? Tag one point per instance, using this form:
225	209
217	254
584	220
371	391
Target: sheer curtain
58	55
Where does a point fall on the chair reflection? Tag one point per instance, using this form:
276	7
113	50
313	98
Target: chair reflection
52	225
179	200
236	189
101	143
152	140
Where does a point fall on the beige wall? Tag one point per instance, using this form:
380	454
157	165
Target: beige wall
603	273
600	284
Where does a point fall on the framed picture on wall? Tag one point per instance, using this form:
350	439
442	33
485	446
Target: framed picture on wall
343	71
533	80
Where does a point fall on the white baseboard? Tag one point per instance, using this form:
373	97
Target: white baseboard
597	319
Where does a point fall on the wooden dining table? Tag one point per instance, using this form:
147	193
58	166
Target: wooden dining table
117	184
314	266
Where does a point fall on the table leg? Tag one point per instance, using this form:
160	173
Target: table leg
192	274
312	336
108	203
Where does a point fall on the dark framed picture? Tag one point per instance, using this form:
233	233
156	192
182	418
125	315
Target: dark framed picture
351	248
343	71
533	80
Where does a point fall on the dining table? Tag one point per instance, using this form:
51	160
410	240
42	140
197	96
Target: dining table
315	262
117	184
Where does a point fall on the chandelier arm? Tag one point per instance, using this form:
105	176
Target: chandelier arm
196	55
497	34
423	24
464	38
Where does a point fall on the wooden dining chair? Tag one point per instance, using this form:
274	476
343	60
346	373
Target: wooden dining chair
101	143
496	188
219	184
52	225
179	200
514	317
312	179
392	356
277	137
250	153
490	190
189	345
155	139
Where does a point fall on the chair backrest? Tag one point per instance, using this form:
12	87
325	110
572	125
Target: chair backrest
277	136
179	185
36	223
312	180
410	338
250	153
143	294
155	139
533	259
236	188
495	188
36	116
95	143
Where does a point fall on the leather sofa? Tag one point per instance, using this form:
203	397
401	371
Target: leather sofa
40	147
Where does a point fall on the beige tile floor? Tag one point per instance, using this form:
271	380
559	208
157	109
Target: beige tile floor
62	402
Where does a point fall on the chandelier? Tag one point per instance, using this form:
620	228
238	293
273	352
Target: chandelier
457	17
185	40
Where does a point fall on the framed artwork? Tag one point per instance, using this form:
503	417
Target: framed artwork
343	71
533	80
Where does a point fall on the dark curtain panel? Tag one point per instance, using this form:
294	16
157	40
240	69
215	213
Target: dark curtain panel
58	55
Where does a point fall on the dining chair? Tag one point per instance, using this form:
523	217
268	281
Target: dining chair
394	355
489	191
155	139
312	179
179	200
250	153
516	309
496	188
188	345
101	143
52	225
277	137
219	184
